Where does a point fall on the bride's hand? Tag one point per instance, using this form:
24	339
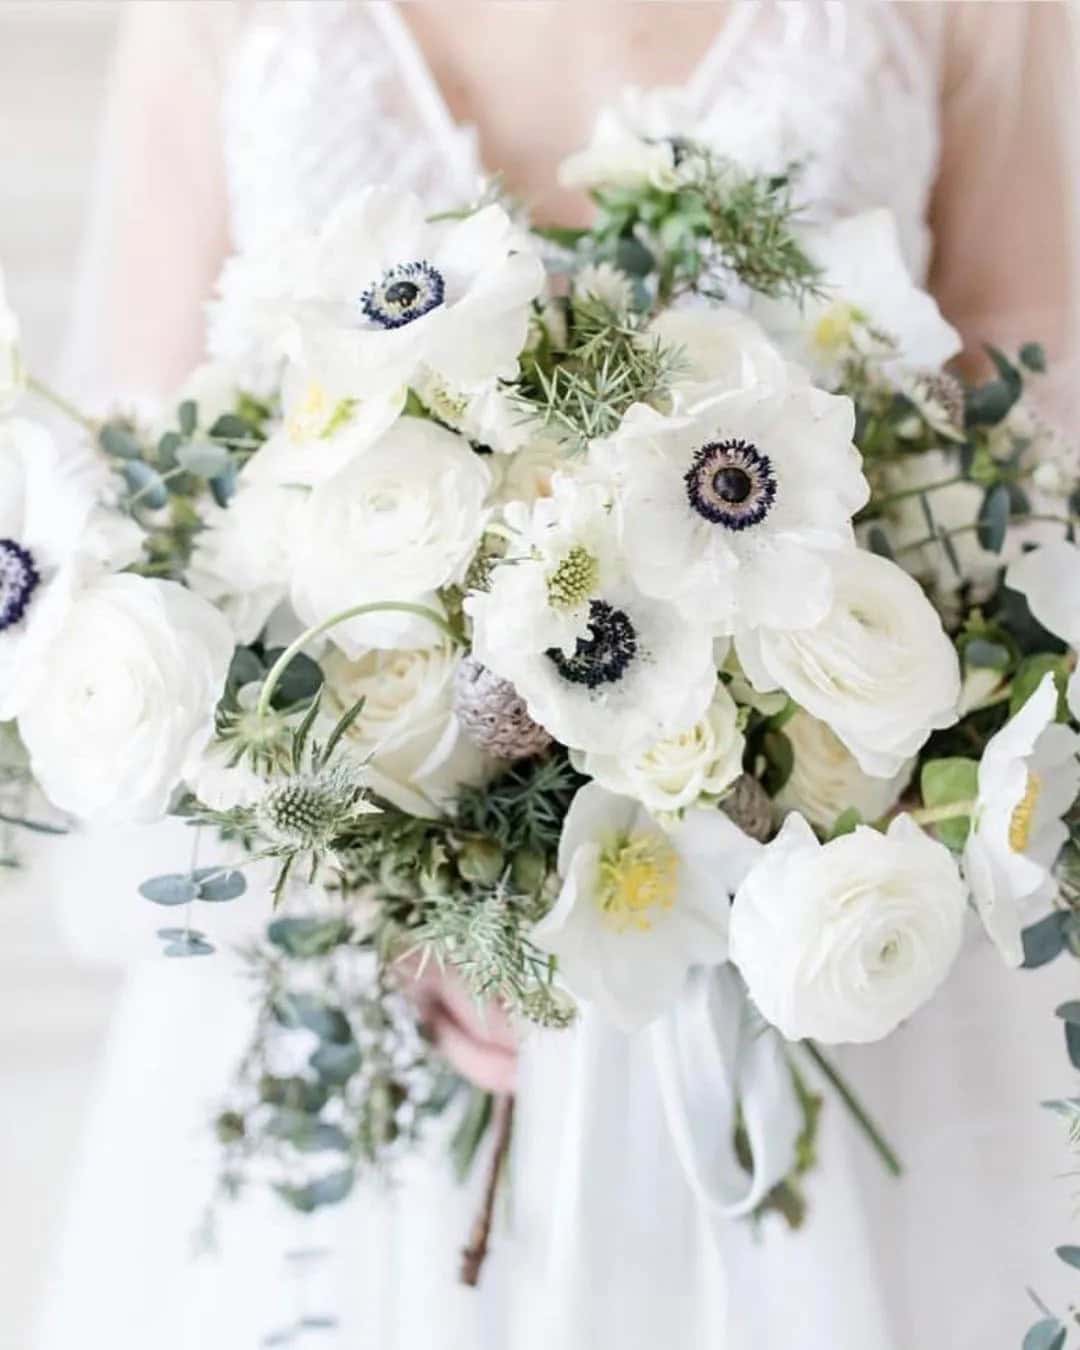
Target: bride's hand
478	1041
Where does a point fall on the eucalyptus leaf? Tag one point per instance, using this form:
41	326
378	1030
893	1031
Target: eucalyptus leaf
1033	357
187	416
328	1190
1072	1043
311	1013
203	458
245	668
986	655
1044	940
299	1094
336	1063
145	483
301	680
1069	1012
633	258
223	485
308	935
167	447
780	757
175	888
118	441
178	934
1048	1334
993	519
878	542
190	946
1070	1255
217	885
229	427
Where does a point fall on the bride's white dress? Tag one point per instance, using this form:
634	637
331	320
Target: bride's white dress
316	98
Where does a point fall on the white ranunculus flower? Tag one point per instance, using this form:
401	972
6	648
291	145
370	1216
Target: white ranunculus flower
528	474
1029	778
639	671
322	428
126	699
722	348
12	374
869	303
826	779
634	143
397	523
416	753
672	774
243	560
382	291
1049	580
730	511
879	668
843	941
640	904
48	521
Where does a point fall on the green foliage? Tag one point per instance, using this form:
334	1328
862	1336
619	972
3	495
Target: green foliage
524	807
945	782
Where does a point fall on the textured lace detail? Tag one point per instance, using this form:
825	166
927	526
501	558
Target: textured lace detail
324	97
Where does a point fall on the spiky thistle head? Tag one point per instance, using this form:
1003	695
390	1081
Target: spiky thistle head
310	810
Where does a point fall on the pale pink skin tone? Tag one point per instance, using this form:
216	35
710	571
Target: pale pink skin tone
493	62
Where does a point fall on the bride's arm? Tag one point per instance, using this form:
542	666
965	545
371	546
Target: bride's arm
1003	210
157	231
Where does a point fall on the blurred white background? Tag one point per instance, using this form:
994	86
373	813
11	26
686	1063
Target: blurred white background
53	1011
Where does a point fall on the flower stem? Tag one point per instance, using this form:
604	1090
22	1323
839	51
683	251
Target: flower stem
61	404
904	493
354	612
858	1112
933	815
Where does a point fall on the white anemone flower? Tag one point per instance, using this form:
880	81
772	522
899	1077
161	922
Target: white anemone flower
386	291
1049	580
640	903
869	303
729	511
639	671
1029	777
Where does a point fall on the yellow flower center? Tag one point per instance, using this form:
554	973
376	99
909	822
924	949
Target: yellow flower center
314	418
574	579
833	331
638	875
1023	815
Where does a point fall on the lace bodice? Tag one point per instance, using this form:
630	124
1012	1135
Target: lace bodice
320	98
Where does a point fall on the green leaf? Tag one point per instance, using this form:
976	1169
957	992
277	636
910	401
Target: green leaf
118	440
633	258
1070	1255
561	235
1048	1334
328	1190
1033	357
307	1135
1069	1012
167	447
301	1094
1072	1043
173	889
190	946
245	668
301	680
229	427
878	542
34	826
1044	940
944	781
187	416
223	485
145	483
308	935
780	760
845	823
344	722
336	1063
310	1012
1031	673
993	519
217	886
467	1138
203	458
985	655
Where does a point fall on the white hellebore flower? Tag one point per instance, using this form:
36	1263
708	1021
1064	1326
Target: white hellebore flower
634	144
47	508
730	511
388	292
843	941
826	779
415	752
398	522
1049	580
127	697
879	668
640	904
673	773
12	374
869	303
1029	778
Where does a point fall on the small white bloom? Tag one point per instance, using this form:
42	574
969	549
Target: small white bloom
729	512
397	523
485	413
12	374
826	779
415	752
603	282
672	774
1049	580
640	904
243	560
634	144
870	304
381	291
126	698
843	941
879	668
1029	778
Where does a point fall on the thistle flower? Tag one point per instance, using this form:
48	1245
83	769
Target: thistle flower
309	810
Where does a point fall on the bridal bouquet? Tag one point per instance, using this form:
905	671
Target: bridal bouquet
589	612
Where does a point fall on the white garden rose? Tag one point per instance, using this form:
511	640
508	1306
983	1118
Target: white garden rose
640	903
674	773
398	522
12	374
826	779
843	941
879	668
126	699
415	752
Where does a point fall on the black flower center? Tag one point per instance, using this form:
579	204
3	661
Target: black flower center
731	483
403	294
604	656
19	579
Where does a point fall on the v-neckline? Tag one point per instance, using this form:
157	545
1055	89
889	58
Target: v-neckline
457	137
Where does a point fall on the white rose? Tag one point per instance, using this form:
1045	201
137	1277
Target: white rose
126	698
843	941
633	143
529	473
416	752
879	668
397	523
675	772
12	374
826	779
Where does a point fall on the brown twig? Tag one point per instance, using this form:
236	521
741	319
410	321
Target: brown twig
472	1258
